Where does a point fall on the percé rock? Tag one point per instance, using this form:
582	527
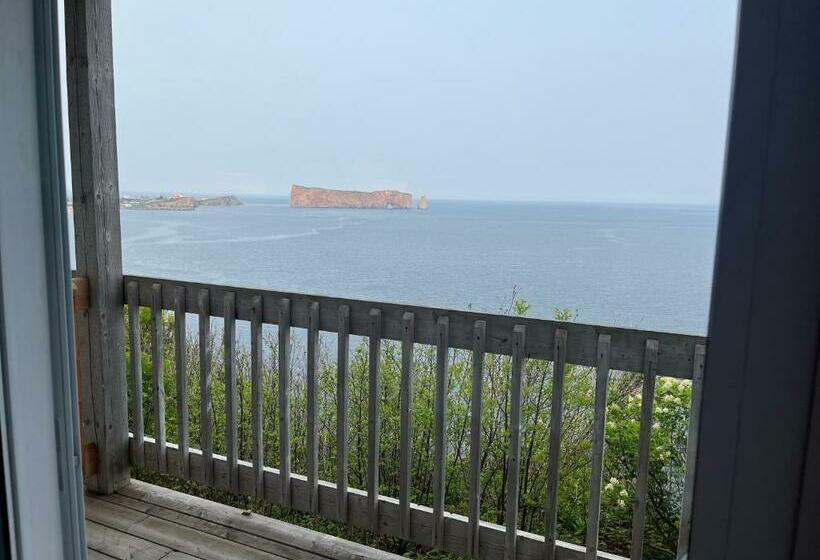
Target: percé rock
309	197
423	203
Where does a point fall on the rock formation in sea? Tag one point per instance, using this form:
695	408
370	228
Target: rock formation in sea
423	203
310	197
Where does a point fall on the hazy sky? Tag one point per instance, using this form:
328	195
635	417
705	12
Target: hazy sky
531	100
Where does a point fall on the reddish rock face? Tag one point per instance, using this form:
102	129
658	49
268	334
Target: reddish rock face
307	197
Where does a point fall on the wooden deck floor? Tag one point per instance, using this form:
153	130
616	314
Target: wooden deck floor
147	522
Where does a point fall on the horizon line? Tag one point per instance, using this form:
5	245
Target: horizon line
445	199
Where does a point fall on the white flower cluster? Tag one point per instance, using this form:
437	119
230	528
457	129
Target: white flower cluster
616	485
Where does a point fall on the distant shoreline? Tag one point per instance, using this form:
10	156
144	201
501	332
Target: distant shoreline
178	202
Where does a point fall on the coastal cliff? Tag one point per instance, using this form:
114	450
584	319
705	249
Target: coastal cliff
176	202
309	197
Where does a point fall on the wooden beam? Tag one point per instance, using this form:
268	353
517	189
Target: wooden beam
181	357
231	404
406	435
644	439
138	423
598	445
79	293
94	179
479	342
158	375
206	409
342	394
556	420
313	406
440	435
284	401
514	452
258	443
374	417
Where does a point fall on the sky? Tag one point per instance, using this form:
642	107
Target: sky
596	101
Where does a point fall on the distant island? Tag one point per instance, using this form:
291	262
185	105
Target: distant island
176	202
311	197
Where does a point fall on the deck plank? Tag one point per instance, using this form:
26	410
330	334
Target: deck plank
92	554
170	535
218	530
274	530
116	544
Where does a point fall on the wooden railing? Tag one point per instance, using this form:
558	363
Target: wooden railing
606	349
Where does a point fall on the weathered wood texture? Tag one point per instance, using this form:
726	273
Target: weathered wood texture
342	403
258	450
476	407
284	313
691	452
142	521
158	375
90	456
137	420
598	445
231	404
644	438
440	434
556	421
206	410
181	358
492	536
675	354
406	428
398	517
374	417
96	203
514	451
313	406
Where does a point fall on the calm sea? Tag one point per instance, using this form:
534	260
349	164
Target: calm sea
626	265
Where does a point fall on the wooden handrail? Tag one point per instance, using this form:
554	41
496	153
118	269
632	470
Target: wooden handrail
675	356
651	354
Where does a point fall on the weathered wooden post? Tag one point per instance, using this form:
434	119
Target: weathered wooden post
101	358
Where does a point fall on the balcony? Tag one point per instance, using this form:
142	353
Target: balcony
299	456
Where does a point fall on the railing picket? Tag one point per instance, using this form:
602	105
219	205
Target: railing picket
439	467
647	407
137	425
556	419
256	398
598	444
158	377
479	345
691	451
313	406
231	425
206	409
284	402
514	452
683	357
406	436
180	354
342	389
374	418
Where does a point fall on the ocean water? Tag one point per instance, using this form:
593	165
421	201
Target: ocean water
642	266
